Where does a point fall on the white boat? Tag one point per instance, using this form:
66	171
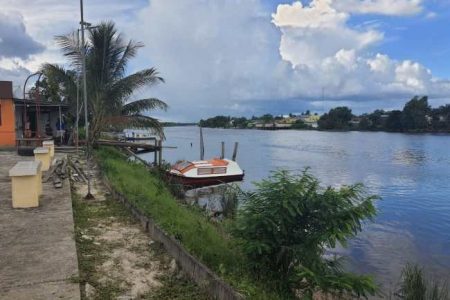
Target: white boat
206	172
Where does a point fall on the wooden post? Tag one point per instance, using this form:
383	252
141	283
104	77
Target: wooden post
235	151
155	153
222	153
160	152
202	145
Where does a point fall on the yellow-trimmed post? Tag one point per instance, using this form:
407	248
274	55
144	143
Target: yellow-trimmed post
51	146
42	154
26	184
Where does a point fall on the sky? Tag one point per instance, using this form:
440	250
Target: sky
250	57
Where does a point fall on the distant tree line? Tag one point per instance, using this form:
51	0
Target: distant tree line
243	122
416	116
225	122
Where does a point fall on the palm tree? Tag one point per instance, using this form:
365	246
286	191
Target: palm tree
110	89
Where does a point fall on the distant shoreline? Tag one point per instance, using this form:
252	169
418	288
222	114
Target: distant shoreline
319	130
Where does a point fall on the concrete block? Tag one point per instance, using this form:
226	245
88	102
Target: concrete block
51	146
42	154
26	184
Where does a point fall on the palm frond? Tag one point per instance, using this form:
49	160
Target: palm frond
126	86
128	52
142	105
71	47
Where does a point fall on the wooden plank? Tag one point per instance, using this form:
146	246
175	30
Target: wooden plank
137	157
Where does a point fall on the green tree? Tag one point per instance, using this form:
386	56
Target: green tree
441	118
240	122
287	224
299	124
216	122
267	118
376	119
414	116
365	123
110	89
394	121
337	118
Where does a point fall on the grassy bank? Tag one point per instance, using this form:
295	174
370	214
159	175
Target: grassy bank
205	240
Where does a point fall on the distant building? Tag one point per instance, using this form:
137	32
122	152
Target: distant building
355	121
25	118
311	120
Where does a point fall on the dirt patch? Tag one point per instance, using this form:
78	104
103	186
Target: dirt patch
131	260
117	259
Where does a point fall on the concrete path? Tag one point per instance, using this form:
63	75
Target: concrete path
38	258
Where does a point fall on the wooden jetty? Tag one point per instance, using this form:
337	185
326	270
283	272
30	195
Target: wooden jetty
133	147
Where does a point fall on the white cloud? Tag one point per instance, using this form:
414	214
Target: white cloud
228	56
326	52
312	33
381	7
209	52
431	15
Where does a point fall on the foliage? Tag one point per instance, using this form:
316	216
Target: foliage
299	124
394	121
216	122
267	118
415	285
224	122
110	89
208	242
337	118
289	222
414	115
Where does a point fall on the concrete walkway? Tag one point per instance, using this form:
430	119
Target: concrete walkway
38	258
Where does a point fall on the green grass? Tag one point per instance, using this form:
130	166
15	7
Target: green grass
207	241
416	285
90	254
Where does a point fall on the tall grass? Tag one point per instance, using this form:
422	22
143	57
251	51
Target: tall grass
207	241
416	286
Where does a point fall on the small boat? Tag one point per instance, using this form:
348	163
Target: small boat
206	172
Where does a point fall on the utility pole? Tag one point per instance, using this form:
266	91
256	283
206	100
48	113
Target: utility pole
86	119
77	137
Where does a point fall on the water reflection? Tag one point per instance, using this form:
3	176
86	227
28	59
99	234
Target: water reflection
410	172
409	157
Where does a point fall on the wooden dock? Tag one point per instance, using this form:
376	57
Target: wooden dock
154	146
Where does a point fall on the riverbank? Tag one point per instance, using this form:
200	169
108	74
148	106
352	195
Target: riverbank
116	258
207	241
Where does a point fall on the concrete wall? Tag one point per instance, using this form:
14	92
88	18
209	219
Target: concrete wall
198	272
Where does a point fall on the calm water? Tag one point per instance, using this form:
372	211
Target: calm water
410	172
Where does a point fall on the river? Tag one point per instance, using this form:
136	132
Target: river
410	172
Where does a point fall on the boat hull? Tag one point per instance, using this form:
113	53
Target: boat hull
205	181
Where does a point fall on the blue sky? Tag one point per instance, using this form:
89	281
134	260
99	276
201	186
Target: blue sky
250	57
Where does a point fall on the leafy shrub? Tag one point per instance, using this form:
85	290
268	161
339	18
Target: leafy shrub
287	225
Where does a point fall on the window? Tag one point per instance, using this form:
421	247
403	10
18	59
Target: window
204	171
220	170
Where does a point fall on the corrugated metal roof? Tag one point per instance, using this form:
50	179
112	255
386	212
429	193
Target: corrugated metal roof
20	102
